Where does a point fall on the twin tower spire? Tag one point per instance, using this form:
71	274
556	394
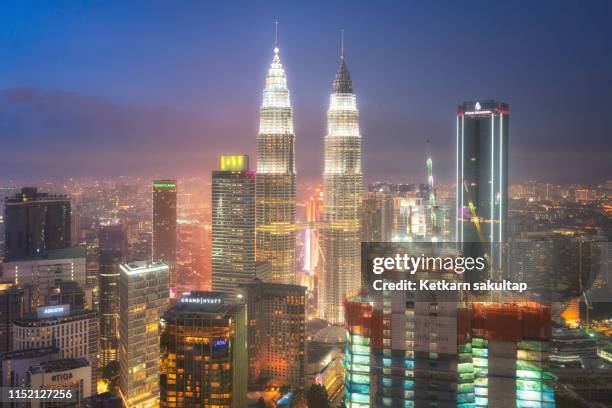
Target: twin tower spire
276	228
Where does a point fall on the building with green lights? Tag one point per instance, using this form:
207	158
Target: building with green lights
164	227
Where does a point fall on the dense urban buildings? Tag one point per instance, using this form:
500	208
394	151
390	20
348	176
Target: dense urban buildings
35	223
71	375
74	332
275	183
342	188
11	308
233	224
143	298
204	352
482	179
164	226
276	333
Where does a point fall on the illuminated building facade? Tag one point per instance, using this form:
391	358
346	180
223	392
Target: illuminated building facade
143	298
74	332
312	250
377	224
113	251
35	223
510	347
164	226
276	332
73	374
233	224
275	182
342	187
204	353
409	218
482	179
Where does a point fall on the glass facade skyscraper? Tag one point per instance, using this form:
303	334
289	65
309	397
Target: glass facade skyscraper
233	224
275	183
343	188
164	226
482	179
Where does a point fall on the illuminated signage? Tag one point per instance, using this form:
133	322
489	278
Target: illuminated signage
164	185
202	300
234	163
53	311
61	377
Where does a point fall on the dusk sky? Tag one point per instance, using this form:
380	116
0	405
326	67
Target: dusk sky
163	88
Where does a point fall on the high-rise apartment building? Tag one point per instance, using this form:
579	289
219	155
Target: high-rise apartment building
164	227
342	187
276	332
113	251
143	298
275	183
233	224
482	179
74	332
35	223
204	352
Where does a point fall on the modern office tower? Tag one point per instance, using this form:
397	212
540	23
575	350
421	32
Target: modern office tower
143	298
343	187
311	270
35	223
11	307
482	179
40	276
204	352
15	364
433	228
74	332
164	227
275	182
276	332
113	252
409	218
69	375
510	346
233	224
377	221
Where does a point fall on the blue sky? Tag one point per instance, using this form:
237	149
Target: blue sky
162	88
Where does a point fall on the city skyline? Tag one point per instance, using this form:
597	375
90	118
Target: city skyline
177	114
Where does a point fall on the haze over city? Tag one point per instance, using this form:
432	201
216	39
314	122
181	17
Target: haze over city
112	88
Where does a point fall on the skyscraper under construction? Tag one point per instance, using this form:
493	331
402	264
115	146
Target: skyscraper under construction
343	186
275	181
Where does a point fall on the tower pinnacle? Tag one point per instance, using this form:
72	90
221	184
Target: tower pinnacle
276	48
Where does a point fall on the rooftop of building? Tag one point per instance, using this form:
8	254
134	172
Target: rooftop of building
33	319
203	304
29	353
59	365
330	335
483	107
75	252
269	287
31	194
137	267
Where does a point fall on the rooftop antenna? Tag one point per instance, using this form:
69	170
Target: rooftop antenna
276	49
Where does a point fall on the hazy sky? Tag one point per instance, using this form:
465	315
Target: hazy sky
162	88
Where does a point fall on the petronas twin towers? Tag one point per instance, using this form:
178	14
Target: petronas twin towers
343	183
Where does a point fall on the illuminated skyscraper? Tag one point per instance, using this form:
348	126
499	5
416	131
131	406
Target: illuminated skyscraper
143	298
233	224
164	226
275	182
482	178
113	250
204	353
343	186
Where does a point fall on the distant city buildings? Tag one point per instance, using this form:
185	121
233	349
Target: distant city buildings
204	352
342	189
164	227
35	223
276	333
482	179
143	298
233	224
275	182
